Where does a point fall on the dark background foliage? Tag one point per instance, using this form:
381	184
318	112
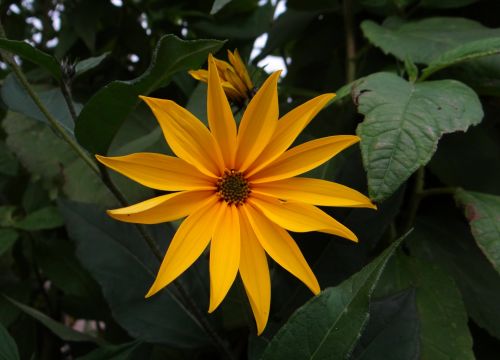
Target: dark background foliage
418	74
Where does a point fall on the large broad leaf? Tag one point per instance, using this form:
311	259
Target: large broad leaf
444	333
403	123
18	100
62	331
7	238
124	266
424	40
105	112
444	239
328	326
28	52
8	347
466	52
483	213
393	324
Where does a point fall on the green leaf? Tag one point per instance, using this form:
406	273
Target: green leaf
8	163
7	215
424	40
328	326
18	100
403	123
106	111
42	219
468	51
46	155
444	332
112	352
444	239
7	238
60	330
217	5
8	347
471	169
394	325
30	53
483	213
112	251
89	64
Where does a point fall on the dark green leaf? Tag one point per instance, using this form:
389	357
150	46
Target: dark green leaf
217	5
457	163
468	51
112	352
46	155
62	331
8	347
6	215
483	213
445	240
444	333
18	100
42	219
403	123
105	112
114	251
89	64
328	326
424	40
7	238
30	53
8	163
393	325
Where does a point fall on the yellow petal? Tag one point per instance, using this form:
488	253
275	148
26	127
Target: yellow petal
188	243
230	91
289	127
220	116
303	158
162	208
237	83
159	172
314	191
258	123
224	255
201	75
281	247
188	138
239	66
254	273
300	217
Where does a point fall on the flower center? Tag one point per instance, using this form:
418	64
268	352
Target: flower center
232	187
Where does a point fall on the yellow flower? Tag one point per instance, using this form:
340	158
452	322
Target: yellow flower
233	75
238	190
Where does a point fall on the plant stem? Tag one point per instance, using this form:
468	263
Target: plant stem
350	40
415	199
66	91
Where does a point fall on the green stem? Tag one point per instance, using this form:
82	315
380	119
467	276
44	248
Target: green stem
415	199
350	40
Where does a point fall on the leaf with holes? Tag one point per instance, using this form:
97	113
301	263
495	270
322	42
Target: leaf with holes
403	123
